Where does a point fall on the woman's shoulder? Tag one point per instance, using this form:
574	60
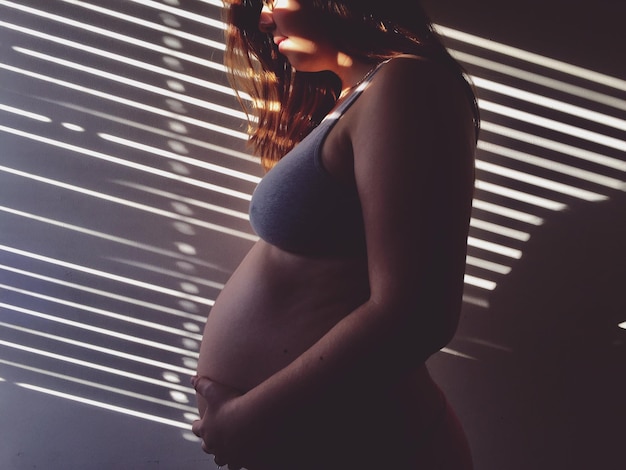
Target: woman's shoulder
416	75
407	83
418	102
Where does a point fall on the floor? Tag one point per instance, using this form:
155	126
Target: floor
124	185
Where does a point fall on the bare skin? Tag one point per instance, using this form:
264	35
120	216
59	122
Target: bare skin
319	363
280	313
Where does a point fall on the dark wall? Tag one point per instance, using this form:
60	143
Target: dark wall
591	34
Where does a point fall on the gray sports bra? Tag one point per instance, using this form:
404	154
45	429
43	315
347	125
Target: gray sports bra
300	208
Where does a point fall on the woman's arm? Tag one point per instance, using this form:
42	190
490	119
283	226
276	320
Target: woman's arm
413	142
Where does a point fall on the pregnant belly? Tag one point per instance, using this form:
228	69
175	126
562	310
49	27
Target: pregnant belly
274	307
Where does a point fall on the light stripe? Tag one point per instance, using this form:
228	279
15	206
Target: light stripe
98	330
123	59
553	125
560	86
94	366
507	212
107	275
215	3
130	164
107	33
168	272
537	59
550	103
494	248
488	344
106	406
108	351
105	313
98	72
73	127
204	20
24	113
187	200
130	103
499	229
565	149
172	135
112	238
476	301
154	26
477	282
454	352
174	156
487	265
125	202
520	196
540	182
110	295
100	386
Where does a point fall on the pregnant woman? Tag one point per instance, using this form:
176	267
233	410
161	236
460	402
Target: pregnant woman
313	356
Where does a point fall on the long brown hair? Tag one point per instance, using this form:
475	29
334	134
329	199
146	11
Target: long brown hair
284	105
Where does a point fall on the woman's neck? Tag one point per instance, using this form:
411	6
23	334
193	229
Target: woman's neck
351	72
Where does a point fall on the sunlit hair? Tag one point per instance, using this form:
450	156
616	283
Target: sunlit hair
285	104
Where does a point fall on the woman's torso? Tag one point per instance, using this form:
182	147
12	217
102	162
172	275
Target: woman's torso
296	282
277	304
273	308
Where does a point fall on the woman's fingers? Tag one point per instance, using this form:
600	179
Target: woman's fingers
200	383
208	427
195	427
213	392
198	426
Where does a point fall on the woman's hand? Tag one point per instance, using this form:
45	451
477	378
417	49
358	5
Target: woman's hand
212	425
